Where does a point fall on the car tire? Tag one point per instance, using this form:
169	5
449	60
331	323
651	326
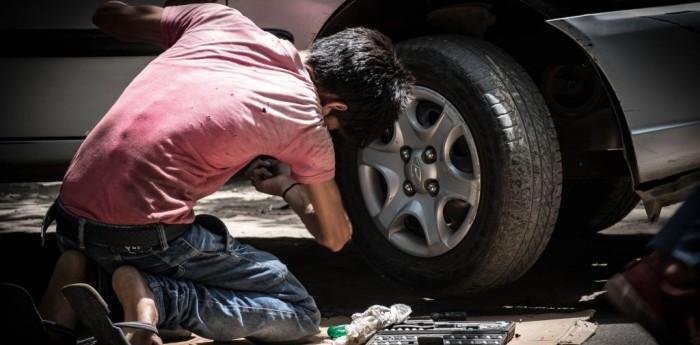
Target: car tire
495	157
589	206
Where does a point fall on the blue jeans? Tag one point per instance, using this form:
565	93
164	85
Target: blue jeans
680	236
216	287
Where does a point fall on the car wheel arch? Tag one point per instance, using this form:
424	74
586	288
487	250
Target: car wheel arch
543	39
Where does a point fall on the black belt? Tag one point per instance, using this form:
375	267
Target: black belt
69	225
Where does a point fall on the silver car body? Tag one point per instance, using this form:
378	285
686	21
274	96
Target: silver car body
49	100
651	57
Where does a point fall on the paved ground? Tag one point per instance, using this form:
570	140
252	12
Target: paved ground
568	278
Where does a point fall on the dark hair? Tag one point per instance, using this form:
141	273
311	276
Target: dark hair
360	66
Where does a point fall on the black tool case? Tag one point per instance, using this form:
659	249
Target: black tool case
429	332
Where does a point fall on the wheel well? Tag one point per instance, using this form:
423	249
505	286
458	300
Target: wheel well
588	124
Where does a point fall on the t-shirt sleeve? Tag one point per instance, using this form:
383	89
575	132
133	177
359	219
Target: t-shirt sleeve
311	156
174	22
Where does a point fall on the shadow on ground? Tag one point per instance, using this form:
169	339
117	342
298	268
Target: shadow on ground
568	277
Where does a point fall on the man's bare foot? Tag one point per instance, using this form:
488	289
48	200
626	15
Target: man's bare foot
138	303
141	337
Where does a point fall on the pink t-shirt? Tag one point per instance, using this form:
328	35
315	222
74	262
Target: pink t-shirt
222	93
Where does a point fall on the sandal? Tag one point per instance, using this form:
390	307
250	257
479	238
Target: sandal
93	312
22	322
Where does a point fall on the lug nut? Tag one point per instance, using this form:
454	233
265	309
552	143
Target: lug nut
429	155
406	153
433	187
408	188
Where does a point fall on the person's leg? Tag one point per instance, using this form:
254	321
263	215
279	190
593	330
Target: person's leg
220	289
661	290
275	305
72	267
224	315
678	242
138	303
680	236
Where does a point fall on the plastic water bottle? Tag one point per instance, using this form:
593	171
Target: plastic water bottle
337	331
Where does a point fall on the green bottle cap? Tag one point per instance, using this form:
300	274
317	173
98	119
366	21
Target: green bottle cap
337	331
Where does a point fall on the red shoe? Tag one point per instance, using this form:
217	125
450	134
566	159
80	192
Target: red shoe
668	313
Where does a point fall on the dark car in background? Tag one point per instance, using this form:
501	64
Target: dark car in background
531	117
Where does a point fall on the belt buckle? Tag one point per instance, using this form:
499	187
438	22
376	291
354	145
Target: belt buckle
131	249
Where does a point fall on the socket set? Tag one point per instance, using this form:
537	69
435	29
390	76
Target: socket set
428	332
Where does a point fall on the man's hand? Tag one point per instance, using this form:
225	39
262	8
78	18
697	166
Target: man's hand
318	205
269	176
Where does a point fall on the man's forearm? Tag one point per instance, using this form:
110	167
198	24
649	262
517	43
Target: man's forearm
299	201
318	205
128	23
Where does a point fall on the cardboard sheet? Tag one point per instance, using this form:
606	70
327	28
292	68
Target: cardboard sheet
540	329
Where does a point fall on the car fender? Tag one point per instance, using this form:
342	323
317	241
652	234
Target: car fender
650	58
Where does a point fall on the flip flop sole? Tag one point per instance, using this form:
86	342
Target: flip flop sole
93	312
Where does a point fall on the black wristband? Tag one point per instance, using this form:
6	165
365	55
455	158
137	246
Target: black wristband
287	190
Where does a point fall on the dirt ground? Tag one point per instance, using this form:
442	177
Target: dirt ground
247	212
250	213
568	277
